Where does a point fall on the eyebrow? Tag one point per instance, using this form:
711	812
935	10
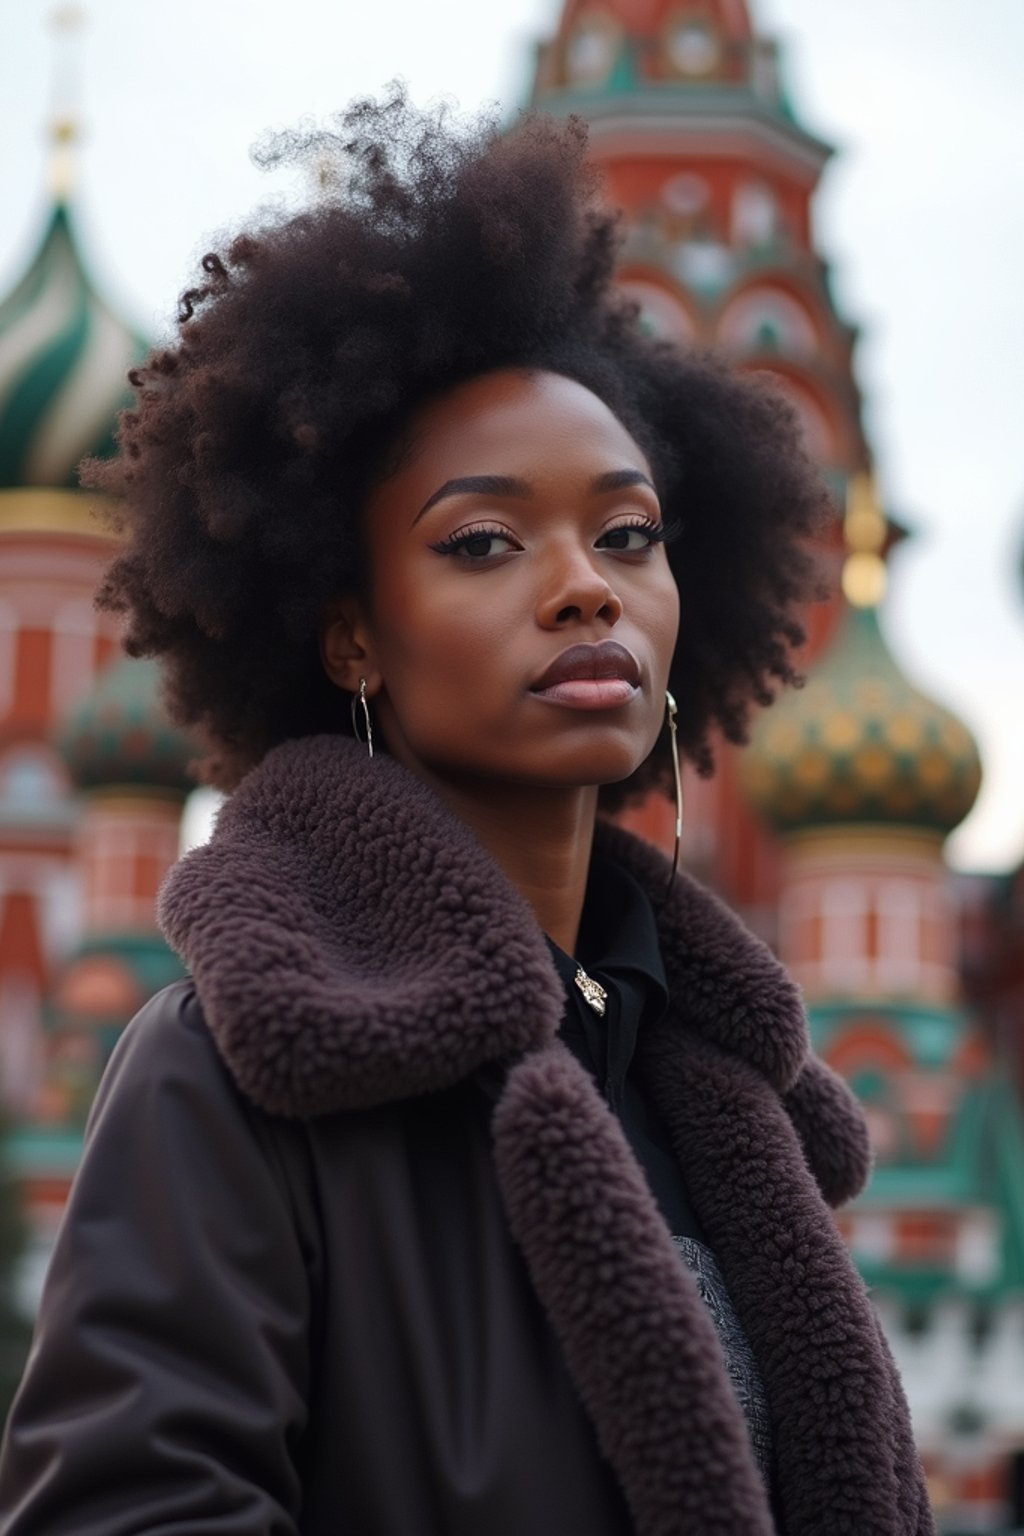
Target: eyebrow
621	480
507	485
476	485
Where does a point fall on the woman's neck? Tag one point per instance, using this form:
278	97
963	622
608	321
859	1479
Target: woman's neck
541	838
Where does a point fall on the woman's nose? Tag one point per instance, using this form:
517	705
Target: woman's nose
577	590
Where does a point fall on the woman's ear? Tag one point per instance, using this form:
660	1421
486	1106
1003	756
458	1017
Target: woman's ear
346	647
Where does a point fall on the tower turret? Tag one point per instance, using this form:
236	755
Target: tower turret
701	149
64	356
131	766
863	775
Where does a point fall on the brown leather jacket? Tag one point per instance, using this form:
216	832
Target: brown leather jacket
356	1246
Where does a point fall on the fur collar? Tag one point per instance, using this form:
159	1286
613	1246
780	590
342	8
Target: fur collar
352	943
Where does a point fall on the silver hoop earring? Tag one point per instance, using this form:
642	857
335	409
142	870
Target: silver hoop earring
671	712
360	698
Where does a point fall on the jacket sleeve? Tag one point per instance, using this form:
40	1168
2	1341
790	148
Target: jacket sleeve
167	1384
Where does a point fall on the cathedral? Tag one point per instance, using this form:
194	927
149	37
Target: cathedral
826	833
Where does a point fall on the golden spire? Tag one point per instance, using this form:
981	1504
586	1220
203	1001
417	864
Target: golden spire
864	573
66	23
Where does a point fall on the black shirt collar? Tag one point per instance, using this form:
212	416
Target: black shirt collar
617	947
618	932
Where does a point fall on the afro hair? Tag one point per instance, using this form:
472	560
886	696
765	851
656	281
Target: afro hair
433	252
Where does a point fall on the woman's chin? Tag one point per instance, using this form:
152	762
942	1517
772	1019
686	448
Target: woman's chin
577	765
590	770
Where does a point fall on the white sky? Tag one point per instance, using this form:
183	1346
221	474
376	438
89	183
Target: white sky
922	216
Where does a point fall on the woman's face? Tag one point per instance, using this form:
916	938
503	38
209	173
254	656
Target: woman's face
522	523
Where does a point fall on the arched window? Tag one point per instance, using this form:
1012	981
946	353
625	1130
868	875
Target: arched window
31	777
755	214
591	48
866	1051
685	194
844	912
693	47
899	935
768	320
660	314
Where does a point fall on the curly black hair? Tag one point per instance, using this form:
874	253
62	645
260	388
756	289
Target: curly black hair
434	252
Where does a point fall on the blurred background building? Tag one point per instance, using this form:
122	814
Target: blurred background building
826	833
93	778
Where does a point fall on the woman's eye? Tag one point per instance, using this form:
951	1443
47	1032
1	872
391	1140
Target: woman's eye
632	537
477	544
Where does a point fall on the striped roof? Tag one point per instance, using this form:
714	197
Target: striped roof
64	357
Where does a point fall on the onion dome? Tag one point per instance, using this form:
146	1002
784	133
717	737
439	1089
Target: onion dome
64	357
860	744
120	734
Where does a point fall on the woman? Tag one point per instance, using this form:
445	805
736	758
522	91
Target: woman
477	1181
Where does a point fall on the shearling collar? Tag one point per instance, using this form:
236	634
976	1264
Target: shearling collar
352	942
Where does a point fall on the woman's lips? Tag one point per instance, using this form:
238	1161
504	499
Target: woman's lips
589	675
588	693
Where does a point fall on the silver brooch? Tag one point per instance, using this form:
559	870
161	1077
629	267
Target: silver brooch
594	993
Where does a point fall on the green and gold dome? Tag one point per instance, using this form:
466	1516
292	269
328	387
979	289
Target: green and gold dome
860	744
64	359
120	734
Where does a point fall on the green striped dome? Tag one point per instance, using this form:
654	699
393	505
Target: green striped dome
63	360
859	744
120	734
